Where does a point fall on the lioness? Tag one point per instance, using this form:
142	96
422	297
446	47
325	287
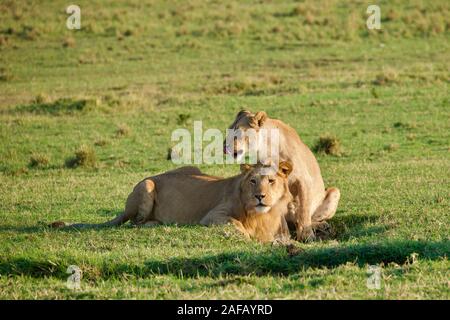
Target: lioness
314	203
255	201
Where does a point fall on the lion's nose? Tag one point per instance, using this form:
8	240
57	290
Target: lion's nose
260	196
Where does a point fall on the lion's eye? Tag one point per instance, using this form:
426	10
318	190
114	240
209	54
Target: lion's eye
271	181
253	181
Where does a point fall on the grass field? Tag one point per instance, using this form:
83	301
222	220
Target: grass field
136	70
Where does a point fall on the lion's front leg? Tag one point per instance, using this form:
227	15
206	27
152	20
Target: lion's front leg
240	227
302	201
221	216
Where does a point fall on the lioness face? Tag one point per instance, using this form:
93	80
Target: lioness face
260	191
236	142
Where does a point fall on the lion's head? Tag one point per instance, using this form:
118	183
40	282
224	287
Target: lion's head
262	187
237	141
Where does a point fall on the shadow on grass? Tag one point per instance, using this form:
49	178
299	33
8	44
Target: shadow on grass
344	226
271	262
277	262
108	213
88	226
355	225
60	106
22	229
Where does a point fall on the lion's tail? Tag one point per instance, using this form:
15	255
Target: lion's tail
144	191
117	221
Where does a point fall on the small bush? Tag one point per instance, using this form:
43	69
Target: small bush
122	131
385	78
391	15
391	147
69	42
111	100
5	74
403	125
40	99
101	142
300	10
4	41
374	93
328	145
277	29
38	160
309	18
84	157
128	33
183	118
28	33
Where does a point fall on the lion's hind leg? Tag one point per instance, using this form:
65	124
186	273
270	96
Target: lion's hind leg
142	202
325	212
327	209
188	170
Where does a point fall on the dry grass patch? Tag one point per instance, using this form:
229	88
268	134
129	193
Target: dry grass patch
84	157
183	118
100	142
5	74
122	131
41	98
386	77
405	125
391	147
328	144
69	42
39	160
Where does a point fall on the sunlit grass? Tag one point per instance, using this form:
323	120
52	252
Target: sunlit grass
85	115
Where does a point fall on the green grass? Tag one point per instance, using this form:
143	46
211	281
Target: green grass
136	71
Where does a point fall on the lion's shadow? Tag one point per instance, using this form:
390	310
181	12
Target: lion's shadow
344	226
275	261
278	262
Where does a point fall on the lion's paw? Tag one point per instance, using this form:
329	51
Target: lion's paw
306	234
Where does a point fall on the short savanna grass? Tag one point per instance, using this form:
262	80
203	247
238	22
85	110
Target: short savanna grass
86	114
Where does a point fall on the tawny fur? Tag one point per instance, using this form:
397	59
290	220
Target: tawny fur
187	196
313	203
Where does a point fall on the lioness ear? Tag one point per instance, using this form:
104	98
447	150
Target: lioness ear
242	112
246	167
285	168
258	119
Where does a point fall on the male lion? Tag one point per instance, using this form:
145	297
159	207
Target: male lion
255	201
314	203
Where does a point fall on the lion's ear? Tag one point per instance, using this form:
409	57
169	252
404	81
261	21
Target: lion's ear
242	112
246	167
285	168
258	119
